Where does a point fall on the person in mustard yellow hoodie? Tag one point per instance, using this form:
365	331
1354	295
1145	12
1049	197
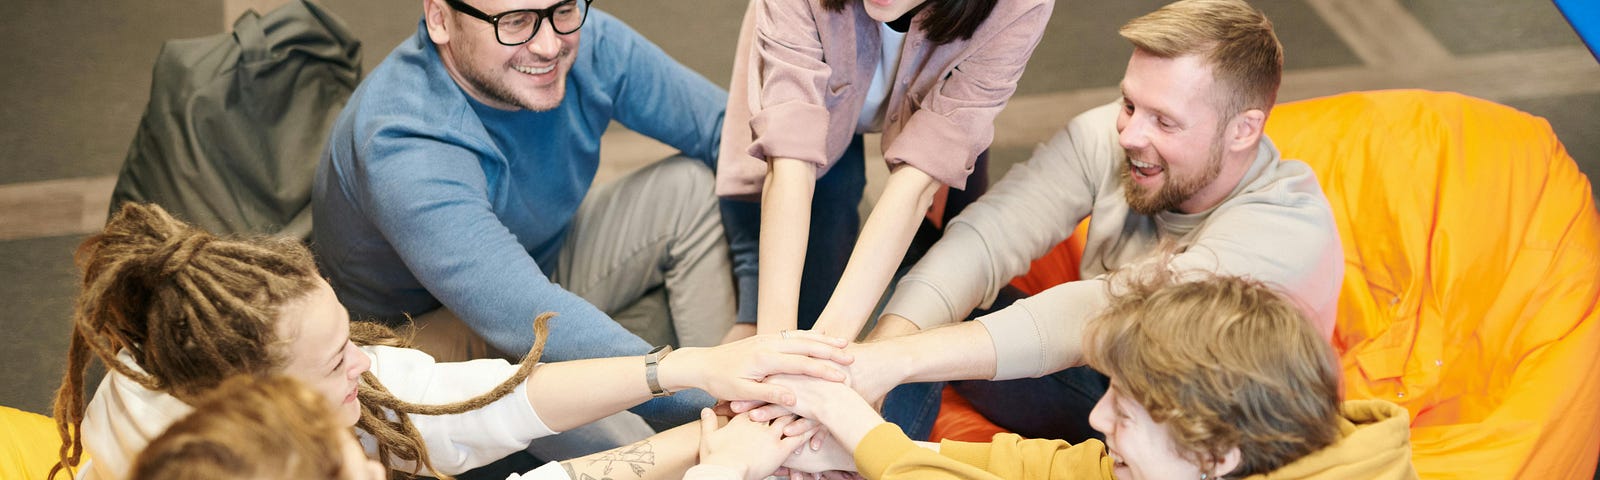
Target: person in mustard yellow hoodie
1211	377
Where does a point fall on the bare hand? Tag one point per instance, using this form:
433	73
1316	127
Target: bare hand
734	371
811	396
753	448
875	374
871	375
830	458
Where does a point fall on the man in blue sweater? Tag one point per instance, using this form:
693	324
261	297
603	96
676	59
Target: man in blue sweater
456	189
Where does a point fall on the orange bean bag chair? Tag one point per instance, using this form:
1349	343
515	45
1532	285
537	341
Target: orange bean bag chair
1472	277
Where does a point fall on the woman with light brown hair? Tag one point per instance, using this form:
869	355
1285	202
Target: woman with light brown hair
1212	377
172	311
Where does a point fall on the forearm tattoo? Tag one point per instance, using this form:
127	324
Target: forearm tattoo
637	458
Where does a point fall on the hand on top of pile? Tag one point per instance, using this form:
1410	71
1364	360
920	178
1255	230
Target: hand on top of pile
735	371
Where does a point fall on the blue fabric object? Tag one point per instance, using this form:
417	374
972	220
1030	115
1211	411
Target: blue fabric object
427	198
1584	15
1053	406
914	407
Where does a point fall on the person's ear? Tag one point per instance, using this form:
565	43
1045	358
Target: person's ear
435	14
1227	464
1244	130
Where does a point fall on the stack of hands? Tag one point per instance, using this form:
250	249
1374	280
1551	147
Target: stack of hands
802	418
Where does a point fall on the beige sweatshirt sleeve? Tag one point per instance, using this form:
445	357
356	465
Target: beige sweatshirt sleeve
1034	207
1278	229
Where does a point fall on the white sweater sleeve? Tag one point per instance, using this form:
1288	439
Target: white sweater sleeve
457	443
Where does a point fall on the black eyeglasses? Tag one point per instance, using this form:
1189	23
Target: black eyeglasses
517	27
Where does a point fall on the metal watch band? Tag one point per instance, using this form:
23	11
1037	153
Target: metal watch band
652	360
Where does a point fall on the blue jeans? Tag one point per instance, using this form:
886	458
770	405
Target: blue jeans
835	225
1053	406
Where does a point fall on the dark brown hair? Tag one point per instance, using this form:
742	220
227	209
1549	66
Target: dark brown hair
1221	362
193	309
946	20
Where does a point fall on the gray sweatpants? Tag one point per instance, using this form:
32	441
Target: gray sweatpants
647	249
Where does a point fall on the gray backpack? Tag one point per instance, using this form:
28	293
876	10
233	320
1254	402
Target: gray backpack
236	122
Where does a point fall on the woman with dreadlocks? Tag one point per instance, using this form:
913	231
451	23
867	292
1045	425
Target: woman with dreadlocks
172	311
258	427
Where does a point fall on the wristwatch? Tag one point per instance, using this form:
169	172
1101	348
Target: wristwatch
651	361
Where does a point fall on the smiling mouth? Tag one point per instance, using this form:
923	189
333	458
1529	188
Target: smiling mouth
535	70
1144	170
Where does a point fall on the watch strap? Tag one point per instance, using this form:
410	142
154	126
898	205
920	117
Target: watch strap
652	362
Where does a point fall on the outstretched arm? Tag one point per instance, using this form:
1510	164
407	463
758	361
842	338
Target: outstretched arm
963	351
878	251
570	394
665	455
785	231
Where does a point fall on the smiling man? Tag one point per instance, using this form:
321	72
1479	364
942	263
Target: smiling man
456	190
1176	171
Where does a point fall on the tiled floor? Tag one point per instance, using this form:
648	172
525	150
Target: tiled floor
77	77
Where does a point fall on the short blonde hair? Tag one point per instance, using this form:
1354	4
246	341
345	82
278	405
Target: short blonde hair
1221	362
1234	38
251	427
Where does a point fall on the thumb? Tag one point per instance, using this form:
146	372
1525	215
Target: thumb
708	424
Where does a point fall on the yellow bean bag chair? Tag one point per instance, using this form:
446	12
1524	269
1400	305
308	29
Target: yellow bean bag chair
28	444
1472	277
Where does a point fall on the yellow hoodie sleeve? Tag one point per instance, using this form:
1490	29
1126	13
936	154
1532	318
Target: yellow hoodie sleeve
886	453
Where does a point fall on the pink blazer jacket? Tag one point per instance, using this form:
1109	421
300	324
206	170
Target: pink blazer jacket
802	72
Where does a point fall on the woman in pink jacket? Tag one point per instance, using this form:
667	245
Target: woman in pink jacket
810	78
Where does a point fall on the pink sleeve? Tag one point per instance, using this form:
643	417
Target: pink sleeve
955	121
789	118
